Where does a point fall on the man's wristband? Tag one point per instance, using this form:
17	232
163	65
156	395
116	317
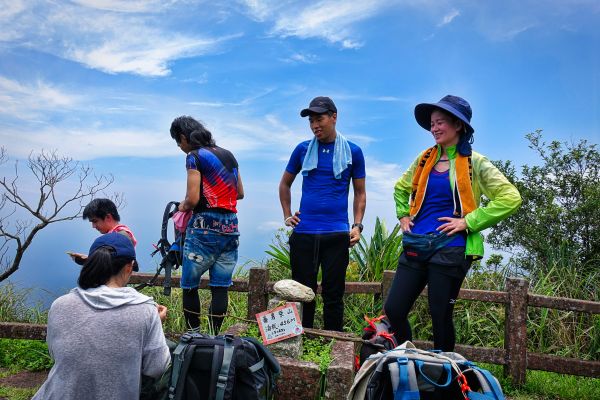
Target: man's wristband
358	225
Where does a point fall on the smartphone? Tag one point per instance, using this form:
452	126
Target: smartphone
77	257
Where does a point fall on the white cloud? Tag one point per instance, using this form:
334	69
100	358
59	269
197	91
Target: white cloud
112	36
260	10
8	9
244	102
27	100
129	6
269	226
301	58
326	19
449	17
381	178
148	56
89	144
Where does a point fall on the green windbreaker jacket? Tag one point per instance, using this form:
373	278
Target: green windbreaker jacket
487	180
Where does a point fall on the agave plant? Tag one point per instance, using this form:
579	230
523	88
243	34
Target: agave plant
379	254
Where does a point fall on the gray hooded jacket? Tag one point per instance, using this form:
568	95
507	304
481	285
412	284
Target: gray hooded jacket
102	340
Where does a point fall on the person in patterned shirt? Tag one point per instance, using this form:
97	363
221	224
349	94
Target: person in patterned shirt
214	186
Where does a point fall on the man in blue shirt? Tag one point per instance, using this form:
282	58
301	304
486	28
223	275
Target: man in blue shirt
322	234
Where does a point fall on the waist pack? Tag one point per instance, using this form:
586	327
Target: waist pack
407	373
379	336
222	368
421	247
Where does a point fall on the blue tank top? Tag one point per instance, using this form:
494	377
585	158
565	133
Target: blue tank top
438	203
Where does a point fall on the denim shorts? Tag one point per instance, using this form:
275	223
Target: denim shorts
209	250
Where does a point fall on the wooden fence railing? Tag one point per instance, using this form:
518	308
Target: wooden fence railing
514	356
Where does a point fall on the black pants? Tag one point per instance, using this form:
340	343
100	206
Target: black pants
443	275
330	251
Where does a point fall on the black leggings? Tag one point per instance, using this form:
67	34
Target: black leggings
218	306
443	284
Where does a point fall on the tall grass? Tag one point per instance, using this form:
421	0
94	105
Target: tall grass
562	333
14	308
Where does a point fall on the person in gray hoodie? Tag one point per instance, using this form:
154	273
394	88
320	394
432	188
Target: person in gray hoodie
103	335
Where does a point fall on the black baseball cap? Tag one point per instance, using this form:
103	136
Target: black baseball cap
319	105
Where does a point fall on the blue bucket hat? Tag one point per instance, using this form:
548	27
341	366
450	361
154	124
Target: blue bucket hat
455	105
121	244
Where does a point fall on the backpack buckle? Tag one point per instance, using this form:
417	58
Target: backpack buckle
185	338
228	337
402	360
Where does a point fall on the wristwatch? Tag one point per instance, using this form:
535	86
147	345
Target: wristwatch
358	225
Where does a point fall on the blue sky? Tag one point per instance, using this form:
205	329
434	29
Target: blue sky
101	81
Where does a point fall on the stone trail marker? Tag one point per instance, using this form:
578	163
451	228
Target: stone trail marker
279	323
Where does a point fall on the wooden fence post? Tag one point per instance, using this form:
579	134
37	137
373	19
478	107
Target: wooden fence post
386	284
515	330
258	295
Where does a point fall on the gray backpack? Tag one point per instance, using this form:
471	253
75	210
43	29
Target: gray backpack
408	373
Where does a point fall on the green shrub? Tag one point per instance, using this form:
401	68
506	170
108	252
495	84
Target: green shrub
18	354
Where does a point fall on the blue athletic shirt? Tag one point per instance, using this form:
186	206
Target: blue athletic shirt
438	203
324	202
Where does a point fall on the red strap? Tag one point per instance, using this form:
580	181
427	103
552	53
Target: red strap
464	387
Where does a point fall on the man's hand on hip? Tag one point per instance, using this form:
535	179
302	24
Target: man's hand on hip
292	220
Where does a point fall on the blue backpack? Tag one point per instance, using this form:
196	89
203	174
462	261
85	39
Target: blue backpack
408	373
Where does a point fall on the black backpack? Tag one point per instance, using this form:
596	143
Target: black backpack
223	367
377	337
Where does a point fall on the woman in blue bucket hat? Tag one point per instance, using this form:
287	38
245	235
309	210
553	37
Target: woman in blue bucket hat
438	203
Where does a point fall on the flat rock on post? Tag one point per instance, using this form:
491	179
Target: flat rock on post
291	290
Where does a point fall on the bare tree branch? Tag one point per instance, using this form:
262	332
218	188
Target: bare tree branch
54	175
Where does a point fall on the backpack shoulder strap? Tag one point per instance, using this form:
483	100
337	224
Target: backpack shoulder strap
182	356
495	390
404	379
223	375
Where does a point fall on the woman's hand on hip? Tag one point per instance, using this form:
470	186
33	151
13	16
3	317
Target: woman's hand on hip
452	225
405	224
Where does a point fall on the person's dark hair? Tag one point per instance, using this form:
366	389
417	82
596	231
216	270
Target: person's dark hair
195	133
100	208
466	138
99	267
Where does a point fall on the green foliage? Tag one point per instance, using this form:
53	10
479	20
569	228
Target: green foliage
318	351
14	308
31	355
560	212
380	253
16	394
542	385
279	264
561	333
175	322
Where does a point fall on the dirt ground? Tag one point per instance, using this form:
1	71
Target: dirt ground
23	379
